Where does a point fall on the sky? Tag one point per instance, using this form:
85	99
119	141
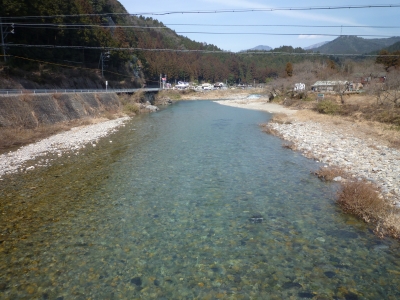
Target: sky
271	28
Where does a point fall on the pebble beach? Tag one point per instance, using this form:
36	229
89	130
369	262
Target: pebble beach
69	141
364	159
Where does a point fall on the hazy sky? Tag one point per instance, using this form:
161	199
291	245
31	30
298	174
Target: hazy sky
245	37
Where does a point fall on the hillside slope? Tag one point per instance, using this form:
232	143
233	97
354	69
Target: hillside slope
355	45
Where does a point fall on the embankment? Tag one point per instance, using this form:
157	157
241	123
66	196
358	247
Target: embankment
31	111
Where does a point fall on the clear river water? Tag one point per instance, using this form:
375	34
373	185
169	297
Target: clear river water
192	202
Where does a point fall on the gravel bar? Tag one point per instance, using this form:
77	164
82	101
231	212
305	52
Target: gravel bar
72	140
362	158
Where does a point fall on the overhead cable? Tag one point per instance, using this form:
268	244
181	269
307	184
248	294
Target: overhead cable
80	26
220	11
195	51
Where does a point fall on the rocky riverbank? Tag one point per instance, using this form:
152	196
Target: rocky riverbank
364	159
68	141
337	143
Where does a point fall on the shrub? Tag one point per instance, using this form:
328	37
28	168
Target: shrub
328	107
57	96
131	108
269	130
281	118
329	173
361	199
172	94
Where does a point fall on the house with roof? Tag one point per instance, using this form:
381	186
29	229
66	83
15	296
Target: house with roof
330	86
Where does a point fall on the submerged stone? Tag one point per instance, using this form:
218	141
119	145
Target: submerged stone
256	218
136	281
307	295
330	274
351	296
291	285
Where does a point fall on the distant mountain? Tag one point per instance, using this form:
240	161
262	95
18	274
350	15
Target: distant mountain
260	48
315	45
355	45
394	47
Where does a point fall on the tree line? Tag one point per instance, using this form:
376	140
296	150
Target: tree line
218	66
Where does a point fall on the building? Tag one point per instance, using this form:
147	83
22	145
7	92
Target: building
330	86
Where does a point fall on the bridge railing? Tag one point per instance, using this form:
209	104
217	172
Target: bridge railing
66	91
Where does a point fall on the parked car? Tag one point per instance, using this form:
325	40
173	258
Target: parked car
207	86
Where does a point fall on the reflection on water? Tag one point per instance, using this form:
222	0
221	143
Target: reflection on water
165	212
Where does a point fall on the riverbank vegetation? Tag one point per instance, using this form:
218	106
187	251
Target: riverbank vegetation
52	61
362	199
358	197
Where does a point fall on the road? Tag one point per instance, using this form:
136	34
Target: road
64	91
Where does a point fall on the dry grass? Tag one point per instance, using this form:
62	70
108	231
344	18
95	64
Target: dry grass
281	118
269	130
382	134
362	199
171	94
289	145
329	173
391	224
26	97
109	115
56	96
14	137
131	103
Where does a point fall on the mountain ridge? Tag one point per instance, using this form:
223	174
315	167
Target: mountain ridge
355	45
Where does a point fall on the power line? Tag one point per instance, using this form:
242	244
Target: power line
240	33
67	66
80	26
276	34
220	11
281	25
198	51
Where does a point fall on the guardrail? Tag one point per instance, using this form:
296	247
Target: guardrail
66	91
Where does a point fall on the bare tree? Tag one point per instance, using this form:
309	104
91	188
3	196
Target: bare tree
391	88
387	91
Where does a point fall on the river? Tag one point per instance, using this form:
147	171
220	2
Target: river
192	202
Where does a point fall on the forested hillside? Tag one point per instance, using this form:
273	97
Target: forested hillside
355	45
89	35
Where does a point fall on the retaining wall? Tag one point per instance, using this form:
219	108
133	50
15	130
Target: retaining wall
30	110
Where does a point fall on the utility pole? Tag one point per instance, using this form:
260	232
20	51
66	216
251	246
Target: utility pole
104	56
4	35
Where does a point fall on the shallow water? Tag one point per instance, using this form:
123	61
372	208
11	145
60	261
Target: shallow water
165	212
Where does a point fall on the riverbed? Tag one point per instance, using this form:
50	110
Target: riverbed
194	201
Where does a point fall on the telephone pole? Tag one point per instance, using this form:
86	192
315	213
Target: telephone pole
104	56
